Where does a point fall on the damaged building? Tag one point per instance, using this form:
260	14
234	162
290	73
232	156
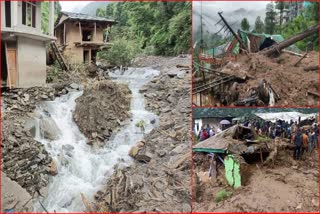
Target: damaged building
251	70
23	43
81	36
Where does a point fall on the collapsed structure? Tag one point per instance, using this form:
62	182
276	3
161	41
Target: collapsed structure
238	146
227	75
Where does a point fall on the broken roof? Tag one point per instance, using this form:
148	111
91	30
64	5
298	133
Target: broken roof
222	141
83	17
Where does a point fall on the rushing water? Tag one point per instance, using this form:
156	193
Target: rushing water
82	168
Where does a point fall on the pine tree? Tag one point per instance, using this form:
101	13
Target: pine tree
270	20
259	25
245	24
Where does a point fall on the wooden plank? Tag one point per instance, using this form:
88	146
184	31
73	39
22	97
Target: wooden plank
12	62
8	74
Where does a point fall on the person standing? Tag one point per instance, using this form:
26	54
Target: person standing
304	143
298	145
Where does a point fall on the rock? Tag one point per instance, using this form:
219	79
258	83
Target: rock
14	196
134	151
74	86
182	148
153	121
49	128
26	97
67	147
172	74
53	169
145	158
44	97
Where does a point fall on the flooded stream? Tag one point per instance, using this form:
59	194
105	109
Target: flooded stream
82	168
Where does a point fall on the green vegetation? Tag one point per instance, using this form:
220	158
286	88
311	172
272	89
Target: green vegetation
222	195
245	24
141	124
151	28
45	15
301	23
258	25
270	20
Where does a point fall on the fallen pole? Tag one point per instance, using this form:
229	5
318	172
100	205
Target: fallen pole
286	43
304	56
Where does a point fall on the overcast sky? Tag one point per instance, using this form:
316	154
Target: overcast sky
69	6
233	12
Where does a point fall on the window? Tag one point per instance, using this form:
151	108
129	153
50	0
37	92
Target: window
29	13
8	13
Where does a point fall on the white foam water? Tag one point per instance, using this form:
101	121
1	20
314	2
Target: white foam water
82	168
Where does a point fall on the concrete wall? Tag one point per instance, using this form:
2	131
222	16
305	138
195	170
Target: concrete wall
3	20
31	62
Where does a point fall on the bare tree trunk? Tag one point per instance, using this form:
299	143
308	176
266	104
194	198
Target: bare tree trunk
286	43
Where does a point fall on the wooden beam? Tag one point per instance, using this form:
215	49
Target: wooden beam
95	31
80	31
64	33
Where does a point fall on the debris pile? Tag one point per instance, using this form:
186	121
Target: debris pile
101	109
264	168
159	180
24	159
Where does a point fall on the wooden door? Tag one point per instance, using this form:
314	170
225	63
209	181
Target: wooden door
12	67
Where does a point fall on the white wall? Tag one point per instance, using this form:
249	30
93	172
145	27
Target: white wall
31	60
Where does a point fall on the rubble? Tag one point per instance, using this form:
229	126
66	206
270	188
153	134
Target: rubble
159	179
101	109
252	71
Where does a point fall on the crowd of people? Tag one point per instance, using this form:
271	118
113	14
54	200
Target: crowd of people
303	136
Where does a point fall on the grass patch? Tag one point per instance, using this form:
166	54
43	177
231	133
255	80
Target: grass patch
222	195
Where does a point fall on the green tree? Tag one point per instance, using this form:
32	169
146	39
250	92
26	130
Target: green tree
280	5
301	23
270	19
259	25
158	28
245	24
45	14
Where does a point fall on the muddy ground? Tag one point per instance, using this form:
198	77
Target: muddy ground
162	183
101	109
286	186
290	82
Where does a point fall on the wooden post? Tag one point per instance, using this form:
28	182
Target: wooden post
6	51
95	31
64	33
80	31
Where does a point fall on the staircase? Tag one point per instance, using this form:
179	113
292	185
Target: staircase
59	56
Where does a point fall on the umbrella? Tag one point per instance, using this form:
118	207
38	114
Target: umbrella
224	122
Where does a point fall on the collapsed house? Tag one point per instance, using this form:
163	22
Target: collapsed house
81	36
23	43
239	146
222	74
